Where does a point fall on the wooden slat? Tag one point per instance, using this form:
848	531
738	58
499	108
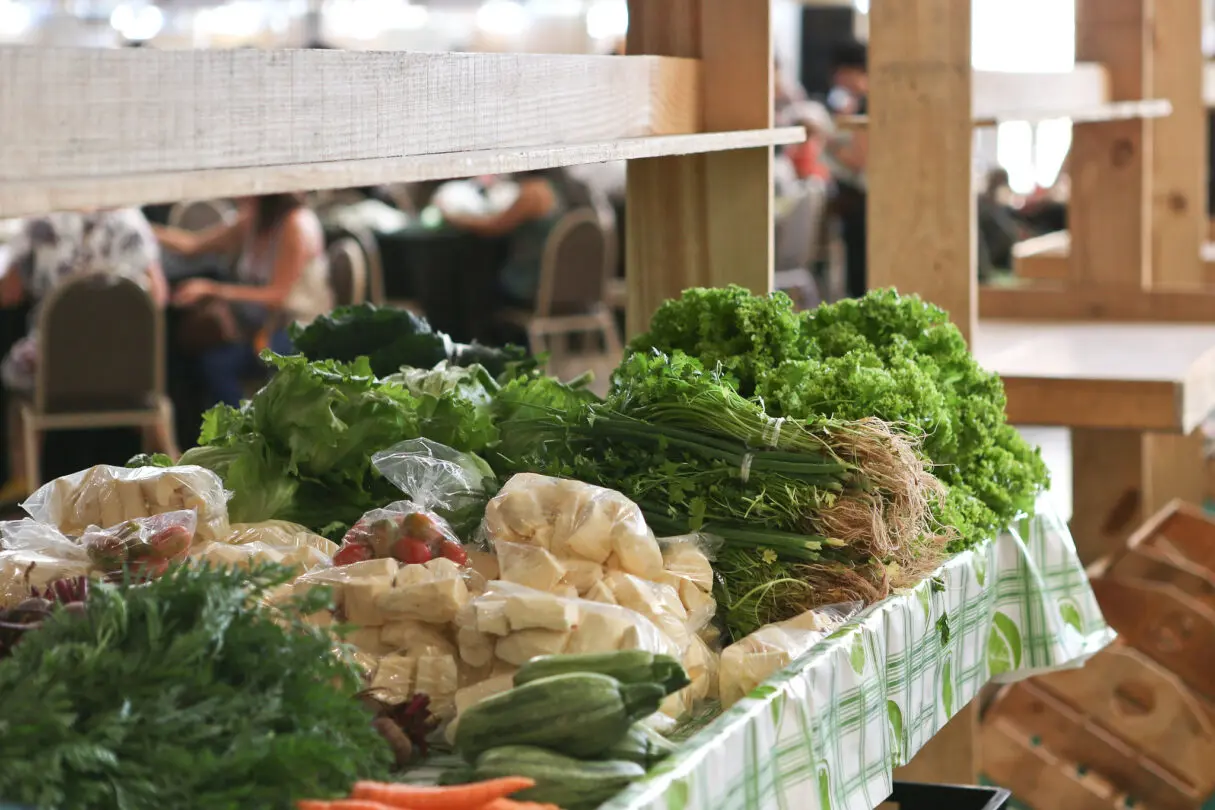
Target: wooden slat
71	113
704	220
17	198
1132	376
922	232
1109	213
1053	264
1096	113
1049	94
1179	146
1112	302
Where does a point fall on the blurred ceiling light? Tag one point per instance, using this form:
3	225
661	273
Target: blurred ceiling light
607	19
137	23
505	17
239	18
862	6
15	18
367	19
409	17
556	8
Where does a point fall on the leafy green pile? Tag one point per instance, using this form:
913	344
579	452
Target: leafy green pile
811	511
183	693
395	338
301	448
893	357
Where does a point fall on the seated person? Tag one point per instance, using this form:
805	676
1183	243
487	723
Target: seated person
281	275
48	251
541	200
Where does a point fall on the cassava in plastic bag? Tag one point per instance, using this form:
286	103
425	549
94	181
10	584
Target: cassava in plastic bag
145	546
749	662
572	519
246	555
106	496
512	624
686	567
280	534
437	479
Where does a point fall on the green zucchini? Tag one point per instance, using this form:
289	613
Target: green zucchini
580	714
642	745
569	783
626	666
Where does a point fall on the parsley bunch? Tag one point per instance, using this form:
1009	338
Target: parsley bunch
182	693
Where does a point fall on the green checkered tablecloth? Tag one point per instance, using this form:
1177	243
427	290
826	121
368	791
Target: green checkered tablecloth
826	732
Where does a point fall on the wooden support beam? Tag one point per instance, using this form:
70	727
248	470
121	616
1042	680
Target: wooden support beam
920	102
1110	209
923	217
1179	146
704	220
1114	302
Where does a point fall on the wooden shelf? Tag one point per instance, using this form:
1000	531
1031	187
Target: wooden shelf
1048	258
1095	114
1157	377
17	198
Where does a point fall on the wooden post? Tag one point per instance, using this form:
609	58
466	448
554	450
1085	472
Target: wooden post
703	220
1179	146
1109	214
921	204
922	218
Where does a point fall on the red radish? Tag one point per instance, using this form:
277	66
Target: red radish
352	553
171	543
411	551
453	551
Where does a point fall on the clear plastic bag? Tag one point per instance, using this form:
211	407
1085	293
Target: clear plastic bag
280	534
749	662
107	496
439	481
30	535
303	558
572	519
144	546
686	562
512	624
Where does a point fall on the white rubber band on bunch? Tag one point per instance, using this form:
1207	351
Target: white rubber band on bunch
744	471
772	431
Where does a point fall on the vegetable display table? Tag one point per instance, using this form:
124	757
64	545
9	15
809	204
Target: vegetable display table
827	731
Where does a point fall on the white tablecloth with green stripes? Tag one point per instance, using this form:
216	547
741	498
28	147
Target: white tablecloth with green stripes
825	733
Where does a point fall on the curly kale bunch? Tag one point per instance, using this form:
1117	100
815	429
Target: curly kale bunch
729	330
894	357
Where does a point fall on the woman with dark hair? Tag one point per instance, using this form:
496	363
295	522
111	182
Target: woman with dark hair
280	276
543	197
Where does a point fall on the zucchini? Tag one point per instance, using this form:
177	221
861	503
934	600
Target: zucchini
580	714
569	783
626	666
642	745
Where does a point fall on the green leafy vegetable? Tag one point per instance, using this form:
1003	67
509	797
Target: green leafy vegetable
183	693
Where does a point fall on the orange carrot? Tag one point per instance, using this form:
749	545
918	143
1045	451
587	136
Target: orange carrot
344	804
472	796
515	804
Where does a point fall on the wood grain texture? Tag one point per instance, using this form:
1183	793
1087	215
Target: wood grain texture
921	210
951	756
1110	208
1102	375
1179	147
87	113
1097	302
30	197
704	220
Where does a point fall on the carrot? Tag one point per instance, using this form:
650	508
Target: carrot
472	796
515	804
344	804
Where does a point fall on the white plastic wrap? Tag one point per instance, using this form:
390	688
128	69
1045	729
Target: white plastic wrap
106	496
280	534
687	568
748	663
512	624
571	519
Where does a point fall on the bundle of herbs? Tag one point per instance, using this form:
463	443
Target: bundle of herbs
811	511
895	358
183	692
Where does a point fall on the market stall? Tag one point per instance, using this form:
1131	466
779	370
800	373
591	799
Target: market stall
820	523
